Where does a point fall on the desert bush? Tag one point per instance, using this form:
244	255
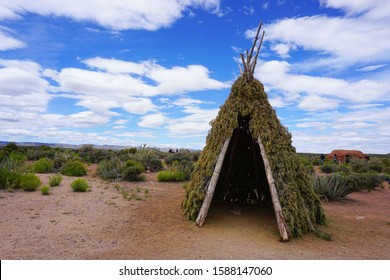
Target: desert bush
30	182
331	187
111	169
10	173
45	190
43	165
18	156
185	167
343	168
80	185
55	181
364	181
132	171
74	168
171	176
359	165
149	158
328	168
375	165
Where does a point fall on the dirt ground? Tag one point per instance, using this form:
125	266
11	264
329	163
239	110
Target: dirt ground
102	224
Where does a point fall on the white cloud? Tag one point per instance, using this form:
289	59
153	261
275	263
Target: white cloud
116	66
374	9
318	103
138	106
114	14
371	68
277	77
9	43
283	49
342	41
195	124
183	79
153	120
22	86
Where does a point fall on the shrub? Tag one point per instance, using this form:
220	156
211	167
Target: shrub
10	172
43	165
30	182
171	176
359	165
364	181
331	187
55	181
343	168
45	190
328	168
111	169
80	185
375	165
132	171
74	168
149	158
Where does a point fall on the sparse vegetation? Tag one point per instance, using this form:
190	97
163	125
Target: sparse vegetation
74	168
45	190
171	176
10	173
80	185
43	165
131	193
30	182
55	181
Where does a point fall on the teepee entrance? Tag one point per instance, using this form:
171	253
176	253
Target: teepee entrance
242	179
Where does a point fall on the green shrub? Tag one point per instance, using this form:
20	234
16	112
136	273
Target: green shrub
149	158
331	187
30	182
375	165
111	169
43	165
45	190
10	172
132	171
74	168
55	181
364	181
328	168
171	176
80	185
343	168
359	165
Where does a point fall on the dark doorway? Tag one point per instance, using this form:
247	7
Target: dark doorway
243	180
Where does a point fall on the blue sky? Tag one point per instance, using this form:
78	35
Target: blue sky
124	72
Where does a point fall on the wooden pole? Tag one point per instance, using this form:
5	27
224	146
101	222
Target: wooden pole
213	183
284	232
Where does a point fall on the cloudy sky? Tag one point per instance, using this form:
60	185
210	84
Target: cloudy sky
129	72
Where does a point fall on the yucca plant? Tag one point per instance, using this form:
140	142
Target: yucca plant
331	187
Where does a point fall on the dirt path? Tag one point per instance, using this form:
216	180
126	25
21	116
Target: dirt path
101	224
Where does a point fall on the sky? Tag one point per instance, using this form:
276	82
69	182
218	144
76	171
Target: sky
129	73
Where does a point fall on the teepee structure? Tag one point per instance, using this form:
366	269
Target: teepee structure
249	159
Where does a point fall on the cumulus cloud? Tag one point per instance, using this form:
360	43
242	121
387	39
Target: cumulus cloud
114	14
22	86
343	40
153	120
129	85
277	76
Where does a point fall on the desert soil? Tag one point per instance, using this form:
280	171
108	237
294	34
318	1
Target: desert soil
102	224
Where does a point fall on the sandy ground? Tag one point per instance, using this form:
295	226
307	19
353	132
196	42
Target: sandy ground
102	224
